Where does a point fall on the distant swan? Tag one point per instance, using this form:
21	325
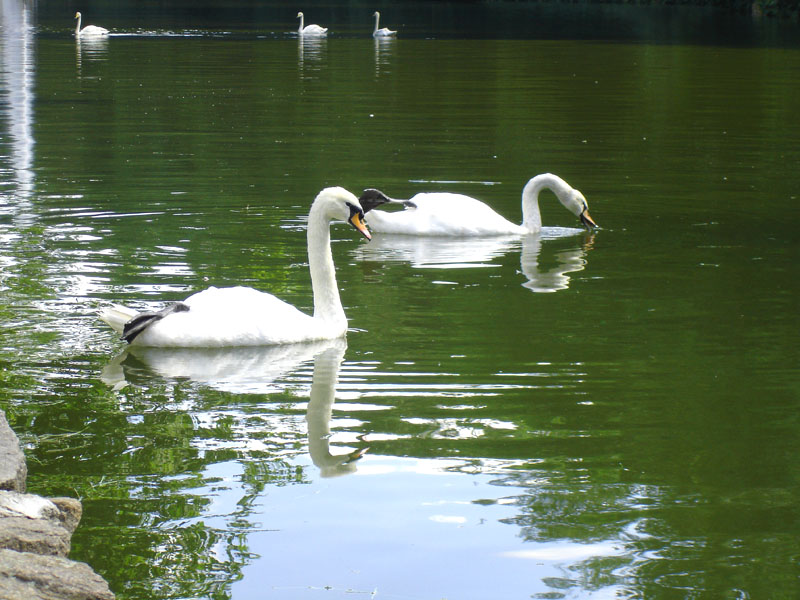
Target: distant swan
310	30
383	31
89	30
444	213
242	316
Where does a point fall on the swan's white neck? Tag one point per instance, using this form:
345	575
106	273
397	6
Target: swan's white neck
327	304
531	217
377	18
78	26
300	29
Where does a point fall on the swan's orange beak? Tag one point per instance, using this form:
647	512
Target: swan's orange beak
587	221
357	221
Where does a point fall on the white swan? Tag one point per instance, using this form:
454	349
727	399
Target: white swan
444	213
310	30
241	316
89	30
383	31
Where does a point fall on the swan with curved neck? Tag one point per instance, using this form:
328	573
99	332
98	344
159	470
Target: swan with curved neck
242	316
383	31
444	213
89	30
310	30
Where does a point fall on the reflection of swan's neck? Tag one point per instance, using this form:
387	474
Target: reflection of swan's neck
320	409
327	304
556	278
531	217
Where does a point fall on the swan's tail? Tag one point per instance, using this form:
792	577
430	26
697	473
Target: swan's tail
117	316
142	321
130	323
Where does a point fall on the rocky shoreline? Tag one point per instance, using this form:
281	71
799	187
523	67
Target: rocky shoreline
35	534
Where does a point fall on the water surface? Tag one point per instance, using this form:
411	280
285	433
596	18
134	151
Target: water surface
568	415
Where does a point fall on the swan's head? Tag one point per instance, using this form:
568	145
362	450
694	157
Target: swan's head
299	15
340	205
77	15
372	198
376	14
576	204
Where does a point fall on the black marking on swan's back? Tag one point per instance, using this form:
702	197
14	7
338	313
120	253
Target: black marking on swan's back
142	321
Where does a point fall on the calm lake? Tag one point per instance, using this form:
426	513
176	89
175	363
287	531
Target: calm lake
572	415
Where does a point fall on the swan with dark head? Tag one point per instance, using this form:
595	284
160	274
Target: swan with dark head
445	213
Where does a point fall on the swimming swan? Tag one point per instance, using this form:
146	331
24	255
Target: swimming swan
242	316
383	31
310	30
444	213
89	30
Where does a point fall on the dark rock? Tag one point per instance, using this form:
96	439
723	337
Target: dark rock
26	576
31	523
34	535
13	470
14	504
70	511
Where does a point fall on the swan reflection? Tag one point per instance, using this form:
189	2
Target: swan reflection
384	49
92	48
309	53
429	252
319	412
18	88
251	370
568	260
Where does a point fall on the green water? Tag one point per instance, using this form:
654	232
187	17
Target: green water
567	416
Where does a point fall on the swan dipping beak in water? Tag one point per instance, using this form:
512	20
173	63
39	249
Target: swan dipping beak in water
242	316
448	214
587	221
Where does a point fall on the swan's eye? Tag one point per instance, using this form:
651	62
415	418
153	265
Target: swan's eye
354	210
